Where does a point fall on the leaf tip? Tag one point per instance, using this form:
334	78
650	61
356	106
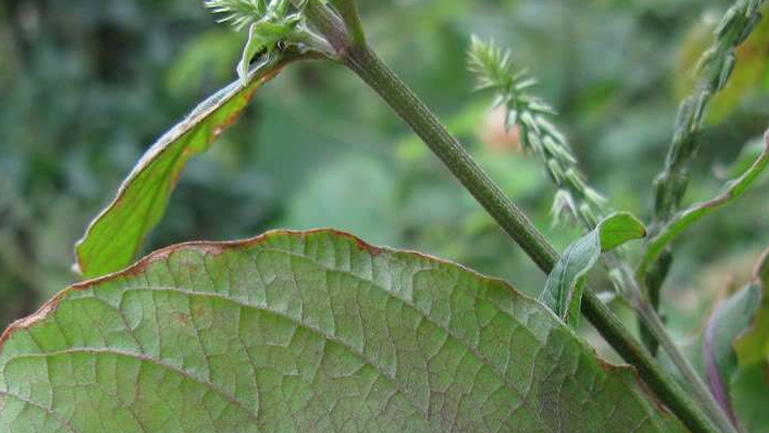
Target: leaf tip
619	228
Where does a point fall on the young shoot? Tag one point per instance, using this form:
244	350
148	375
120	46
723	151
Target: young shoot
272	25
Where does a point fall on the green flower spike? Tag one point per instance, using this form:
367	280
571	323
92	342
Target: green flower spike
495	71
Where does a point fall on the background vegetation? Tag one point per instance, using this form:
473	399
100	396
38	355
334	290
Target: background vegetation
86	86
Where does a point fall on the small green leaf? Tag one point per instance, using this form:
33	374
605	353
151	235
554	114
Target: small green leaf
308	332
564	286
619	228
114	237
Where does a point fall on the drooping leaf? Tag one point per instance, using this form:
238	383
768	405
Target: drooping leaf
619	228
308	332
114	237
563	289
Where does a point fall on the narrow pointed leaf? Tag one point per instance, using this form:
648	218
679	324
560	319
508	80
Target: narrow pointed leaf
114	237
564	286
308	332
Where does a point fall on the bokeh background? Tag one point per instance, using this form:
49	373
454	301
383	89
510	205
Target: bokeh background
87	85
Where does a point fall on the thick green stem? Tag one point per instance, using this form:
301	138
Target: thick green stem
364	62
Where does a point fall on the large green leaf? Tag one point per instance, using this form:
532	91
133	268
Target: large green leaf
115	236
308	332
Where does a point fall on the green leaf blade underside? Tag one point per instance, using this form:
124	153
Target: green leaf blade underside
115	236
308	332
564	286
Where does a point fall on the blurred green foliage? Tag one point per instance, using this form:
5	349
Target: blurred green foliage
86	86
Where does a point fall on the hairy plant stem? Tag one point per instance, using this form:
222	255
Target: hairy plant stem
365	63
